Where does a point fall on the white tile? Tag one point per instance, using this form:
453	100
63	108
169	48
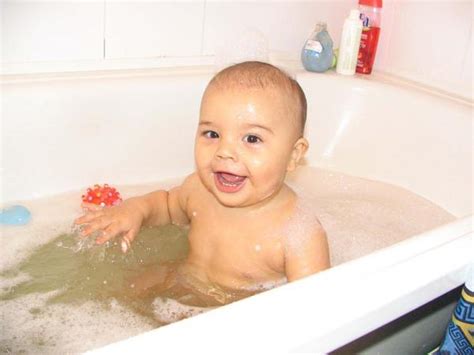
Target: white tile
428	41
390	12
51	31
138	29
285	24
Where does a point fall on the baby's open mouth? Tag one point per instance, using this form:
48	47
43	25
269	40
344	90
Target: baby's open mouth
227	182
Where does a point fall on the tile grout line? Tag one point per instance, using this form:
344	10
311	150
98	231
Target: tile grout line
203	26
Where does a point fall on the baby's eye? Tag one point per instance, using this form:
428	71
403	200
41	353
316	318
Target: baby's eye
210	134
251	138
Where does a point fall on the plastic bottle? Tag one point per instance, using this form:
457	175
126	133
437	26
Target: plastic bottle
350	42
317	54
370	14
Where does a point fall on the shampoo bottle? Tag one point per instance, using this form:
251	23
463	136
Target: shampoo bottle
350	41
317	54
370	14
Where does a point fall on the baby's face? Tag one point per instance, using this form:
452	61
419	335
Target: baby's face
245	144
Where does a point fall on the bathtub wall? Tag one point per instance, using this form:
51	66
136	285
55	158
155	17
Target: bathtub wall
424	41
71	131
67	133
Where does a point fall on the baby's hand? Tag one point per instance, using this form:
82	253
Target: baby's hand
124	219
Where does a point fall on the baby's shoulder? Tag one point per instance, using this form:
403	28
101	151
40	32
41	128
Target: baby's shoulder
193	189
303	219
191	182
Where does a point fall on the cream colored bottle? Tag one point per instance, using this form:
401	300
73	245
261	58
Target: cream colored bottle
350	41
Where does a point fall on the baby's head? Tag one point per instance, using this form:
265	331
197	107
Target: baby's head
250	133
262	78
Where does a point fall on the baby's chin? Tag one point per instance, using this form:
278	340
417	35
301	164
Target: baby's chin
244	199
240	199
231	200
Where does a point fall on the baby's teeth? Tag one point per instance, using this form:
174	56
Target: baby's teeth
228	184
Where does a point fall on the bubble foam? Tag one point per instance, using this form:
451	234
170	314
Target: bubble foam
32	325
360	215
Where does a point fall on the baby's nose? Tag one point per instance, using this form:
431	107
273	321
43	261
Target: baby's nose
226	150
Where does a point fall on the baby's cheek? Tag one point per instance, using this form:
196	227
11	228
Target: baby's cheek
274	163
270	176
257	162
201	153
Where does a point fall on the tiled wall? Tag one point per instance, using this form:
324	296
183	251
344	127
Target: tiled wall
36	31
429	42
64	30
425	41
151	29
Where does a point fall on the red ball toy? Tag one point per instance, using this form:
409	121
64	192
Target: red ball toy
102	195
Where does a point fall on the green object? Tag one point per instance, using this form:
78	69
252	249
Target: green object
334	58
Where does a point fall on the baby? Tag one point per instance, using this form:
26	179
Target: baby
247	229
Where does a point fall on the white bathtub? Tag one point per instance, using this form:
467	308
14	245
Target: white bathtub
60	133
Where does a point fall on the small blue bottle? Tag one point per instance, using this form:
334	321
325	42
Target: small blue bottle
317	54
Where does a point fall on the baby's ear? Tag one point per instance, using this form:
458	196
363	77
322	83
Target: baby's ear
299	150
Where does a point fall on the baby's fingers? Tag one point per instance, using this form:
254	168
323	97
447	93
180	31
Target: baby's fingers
90	213
108	233
115	229
91	207
88	217
94	225
127	240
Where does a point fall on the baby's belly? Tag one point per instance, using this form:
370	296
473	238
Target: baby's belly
235	278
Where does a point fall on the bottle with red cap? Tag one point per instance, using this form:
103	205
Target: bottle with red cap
370	14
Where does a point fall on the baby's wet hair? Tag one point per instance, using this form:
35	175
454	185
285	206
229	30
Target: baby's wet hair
259	75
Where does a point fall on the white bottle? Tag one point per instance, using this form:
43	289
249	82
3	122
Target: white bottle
350	41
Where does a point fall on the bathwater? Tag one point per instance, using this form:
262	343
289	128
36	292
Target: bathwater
59	294
68	283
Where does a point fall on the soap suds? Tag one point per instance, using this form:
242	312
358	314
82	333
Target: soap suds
360	215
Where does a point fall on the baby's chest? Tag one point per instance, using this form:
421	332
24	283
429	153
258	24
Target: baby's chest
240	246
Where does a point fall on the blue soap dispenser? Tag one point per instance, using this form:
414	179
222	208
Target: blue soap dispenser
317	54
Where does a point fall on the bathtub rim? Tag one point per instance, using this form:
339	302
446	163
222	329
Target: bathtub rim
294	68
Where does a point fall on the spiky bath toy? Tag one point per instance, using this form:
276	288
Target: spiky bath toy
102	195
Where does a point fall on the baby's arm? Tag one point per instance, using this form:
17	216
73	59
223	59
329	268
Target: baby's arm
154	209
306	254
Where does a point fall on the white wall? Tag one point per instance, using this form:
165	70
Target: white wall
38	31
424	41
115	30
429	42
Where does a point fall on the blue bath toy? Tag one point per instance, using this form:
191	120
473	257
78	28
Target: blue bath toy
15	215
